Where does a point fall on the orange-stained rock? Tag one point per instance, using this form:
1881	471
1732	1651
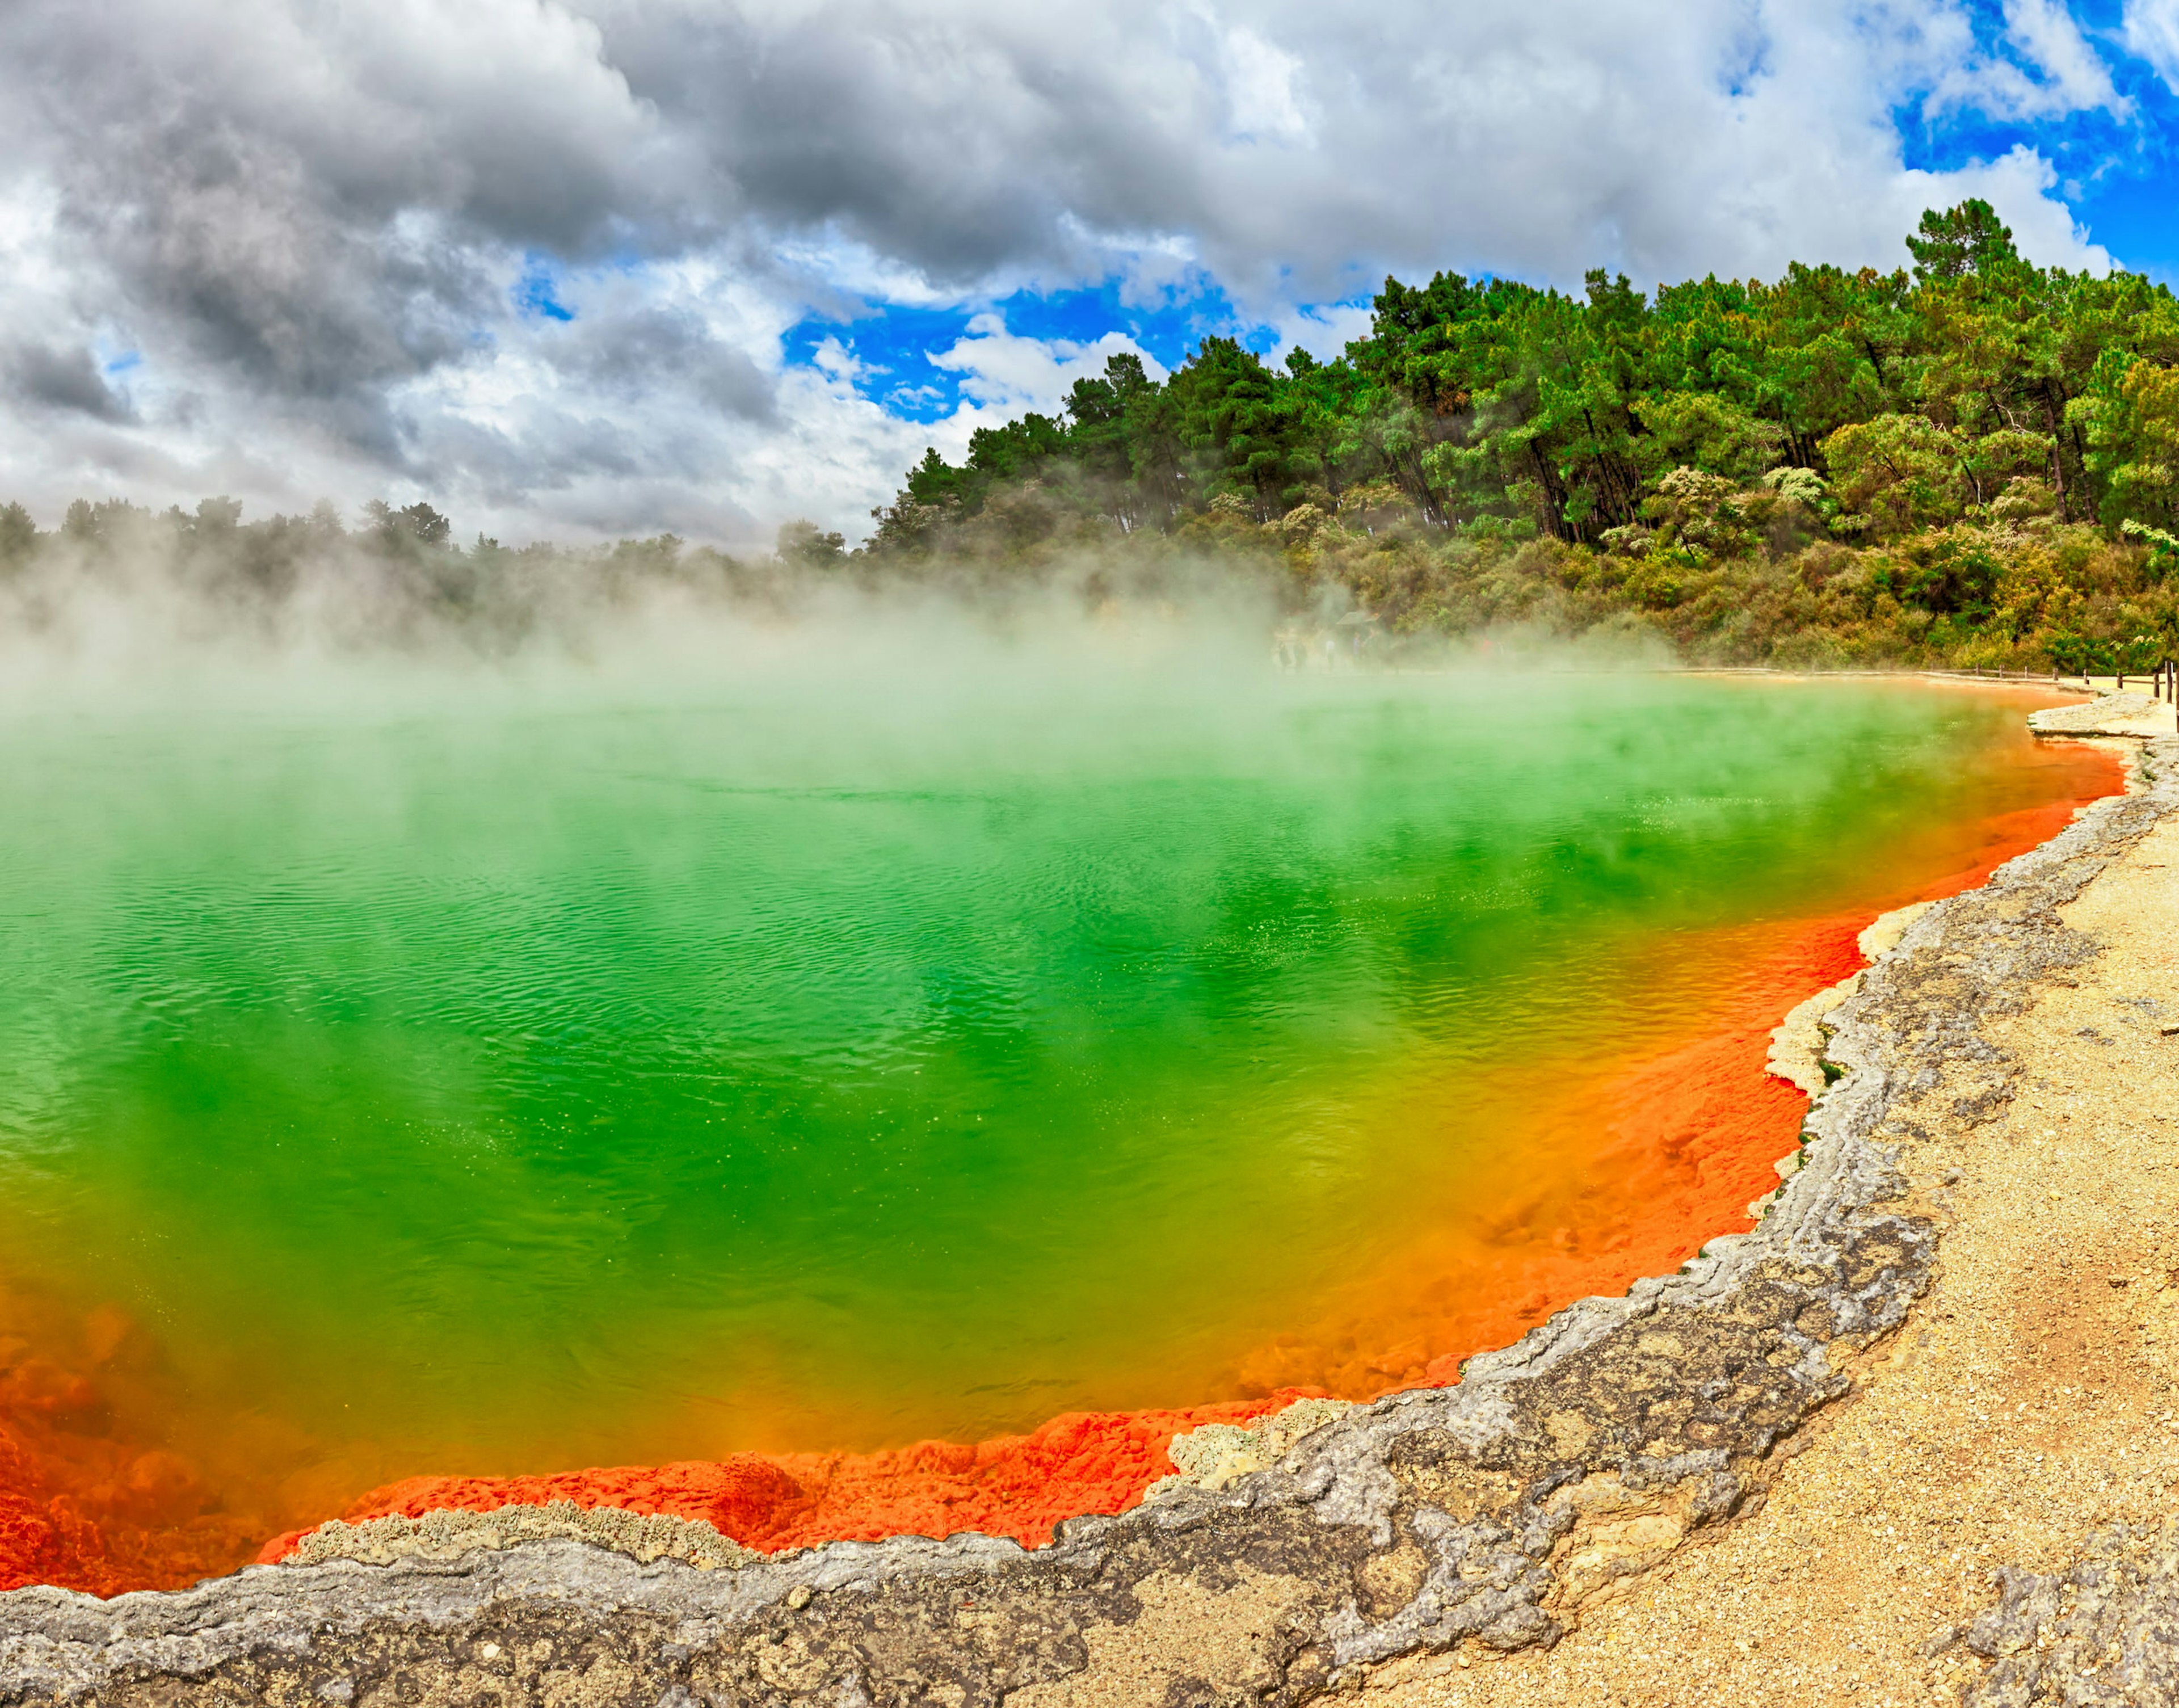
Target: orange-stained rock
1013	1485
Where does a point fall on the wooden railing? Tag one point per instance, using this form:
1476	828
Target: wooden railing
2161	682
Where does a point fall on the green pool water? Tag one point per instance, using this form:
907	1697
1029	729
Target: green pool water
518	1070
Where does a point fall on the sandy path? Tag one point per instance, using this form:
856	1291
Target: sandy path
2029	1400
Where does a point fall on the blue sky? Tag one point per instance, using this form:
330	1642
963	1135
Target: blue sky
897	341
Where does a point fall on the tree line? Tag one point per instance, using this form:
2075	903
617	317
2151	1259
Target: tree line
1923	438
1918	398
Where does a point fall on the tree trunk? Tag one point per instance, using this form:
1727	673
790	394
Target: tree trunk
1554	494
2053	417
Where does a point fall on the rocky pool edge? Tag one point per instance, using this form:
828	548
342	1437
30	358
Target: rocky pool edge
1488	1513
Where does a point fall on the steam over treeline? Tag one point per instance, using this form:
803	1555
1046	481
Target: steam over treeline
1975	463
117	571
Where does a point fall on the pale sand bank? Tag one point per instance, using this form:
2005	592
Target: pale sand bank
2129	714
2033	1398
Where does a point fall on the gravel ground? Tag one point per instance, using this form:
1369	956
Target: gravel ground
2030	1406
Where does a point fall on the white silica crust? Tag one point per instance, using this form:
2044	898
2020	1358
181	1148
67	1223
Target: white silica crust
444	1535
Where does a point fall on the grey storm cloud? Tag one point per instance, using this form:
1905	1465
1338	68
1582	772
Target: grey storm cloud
303	210
634	352
311	216
62	379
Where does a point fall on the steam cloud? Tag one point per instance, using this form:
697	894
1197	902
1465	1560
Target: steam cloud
123	606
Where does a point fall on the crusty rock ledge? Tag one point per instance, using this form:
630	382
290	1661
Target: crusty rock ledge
2104	1634
1488	1513
2113	714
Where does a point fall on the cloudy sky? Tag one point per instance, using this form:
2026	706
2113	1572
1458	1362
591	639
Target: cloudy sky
576	270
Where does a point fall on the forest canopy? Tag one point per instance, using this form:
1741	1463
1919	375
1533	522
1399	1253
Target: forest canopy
1919	398
1973	457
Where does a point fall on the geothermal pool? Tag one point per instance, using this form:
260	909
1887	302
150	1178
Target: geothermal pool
398	1079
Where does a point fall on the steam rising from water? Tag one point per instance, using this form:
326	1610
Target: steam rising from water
140	592
124	606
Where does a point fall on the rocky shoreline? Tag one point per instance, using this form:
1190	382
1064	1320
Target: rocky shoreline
1484	1517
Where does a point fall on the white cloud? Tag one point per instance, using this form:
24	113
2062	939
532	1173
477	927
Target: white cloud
1323	331
1003	373
2150	31
2077	77
2053	71
1262	85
